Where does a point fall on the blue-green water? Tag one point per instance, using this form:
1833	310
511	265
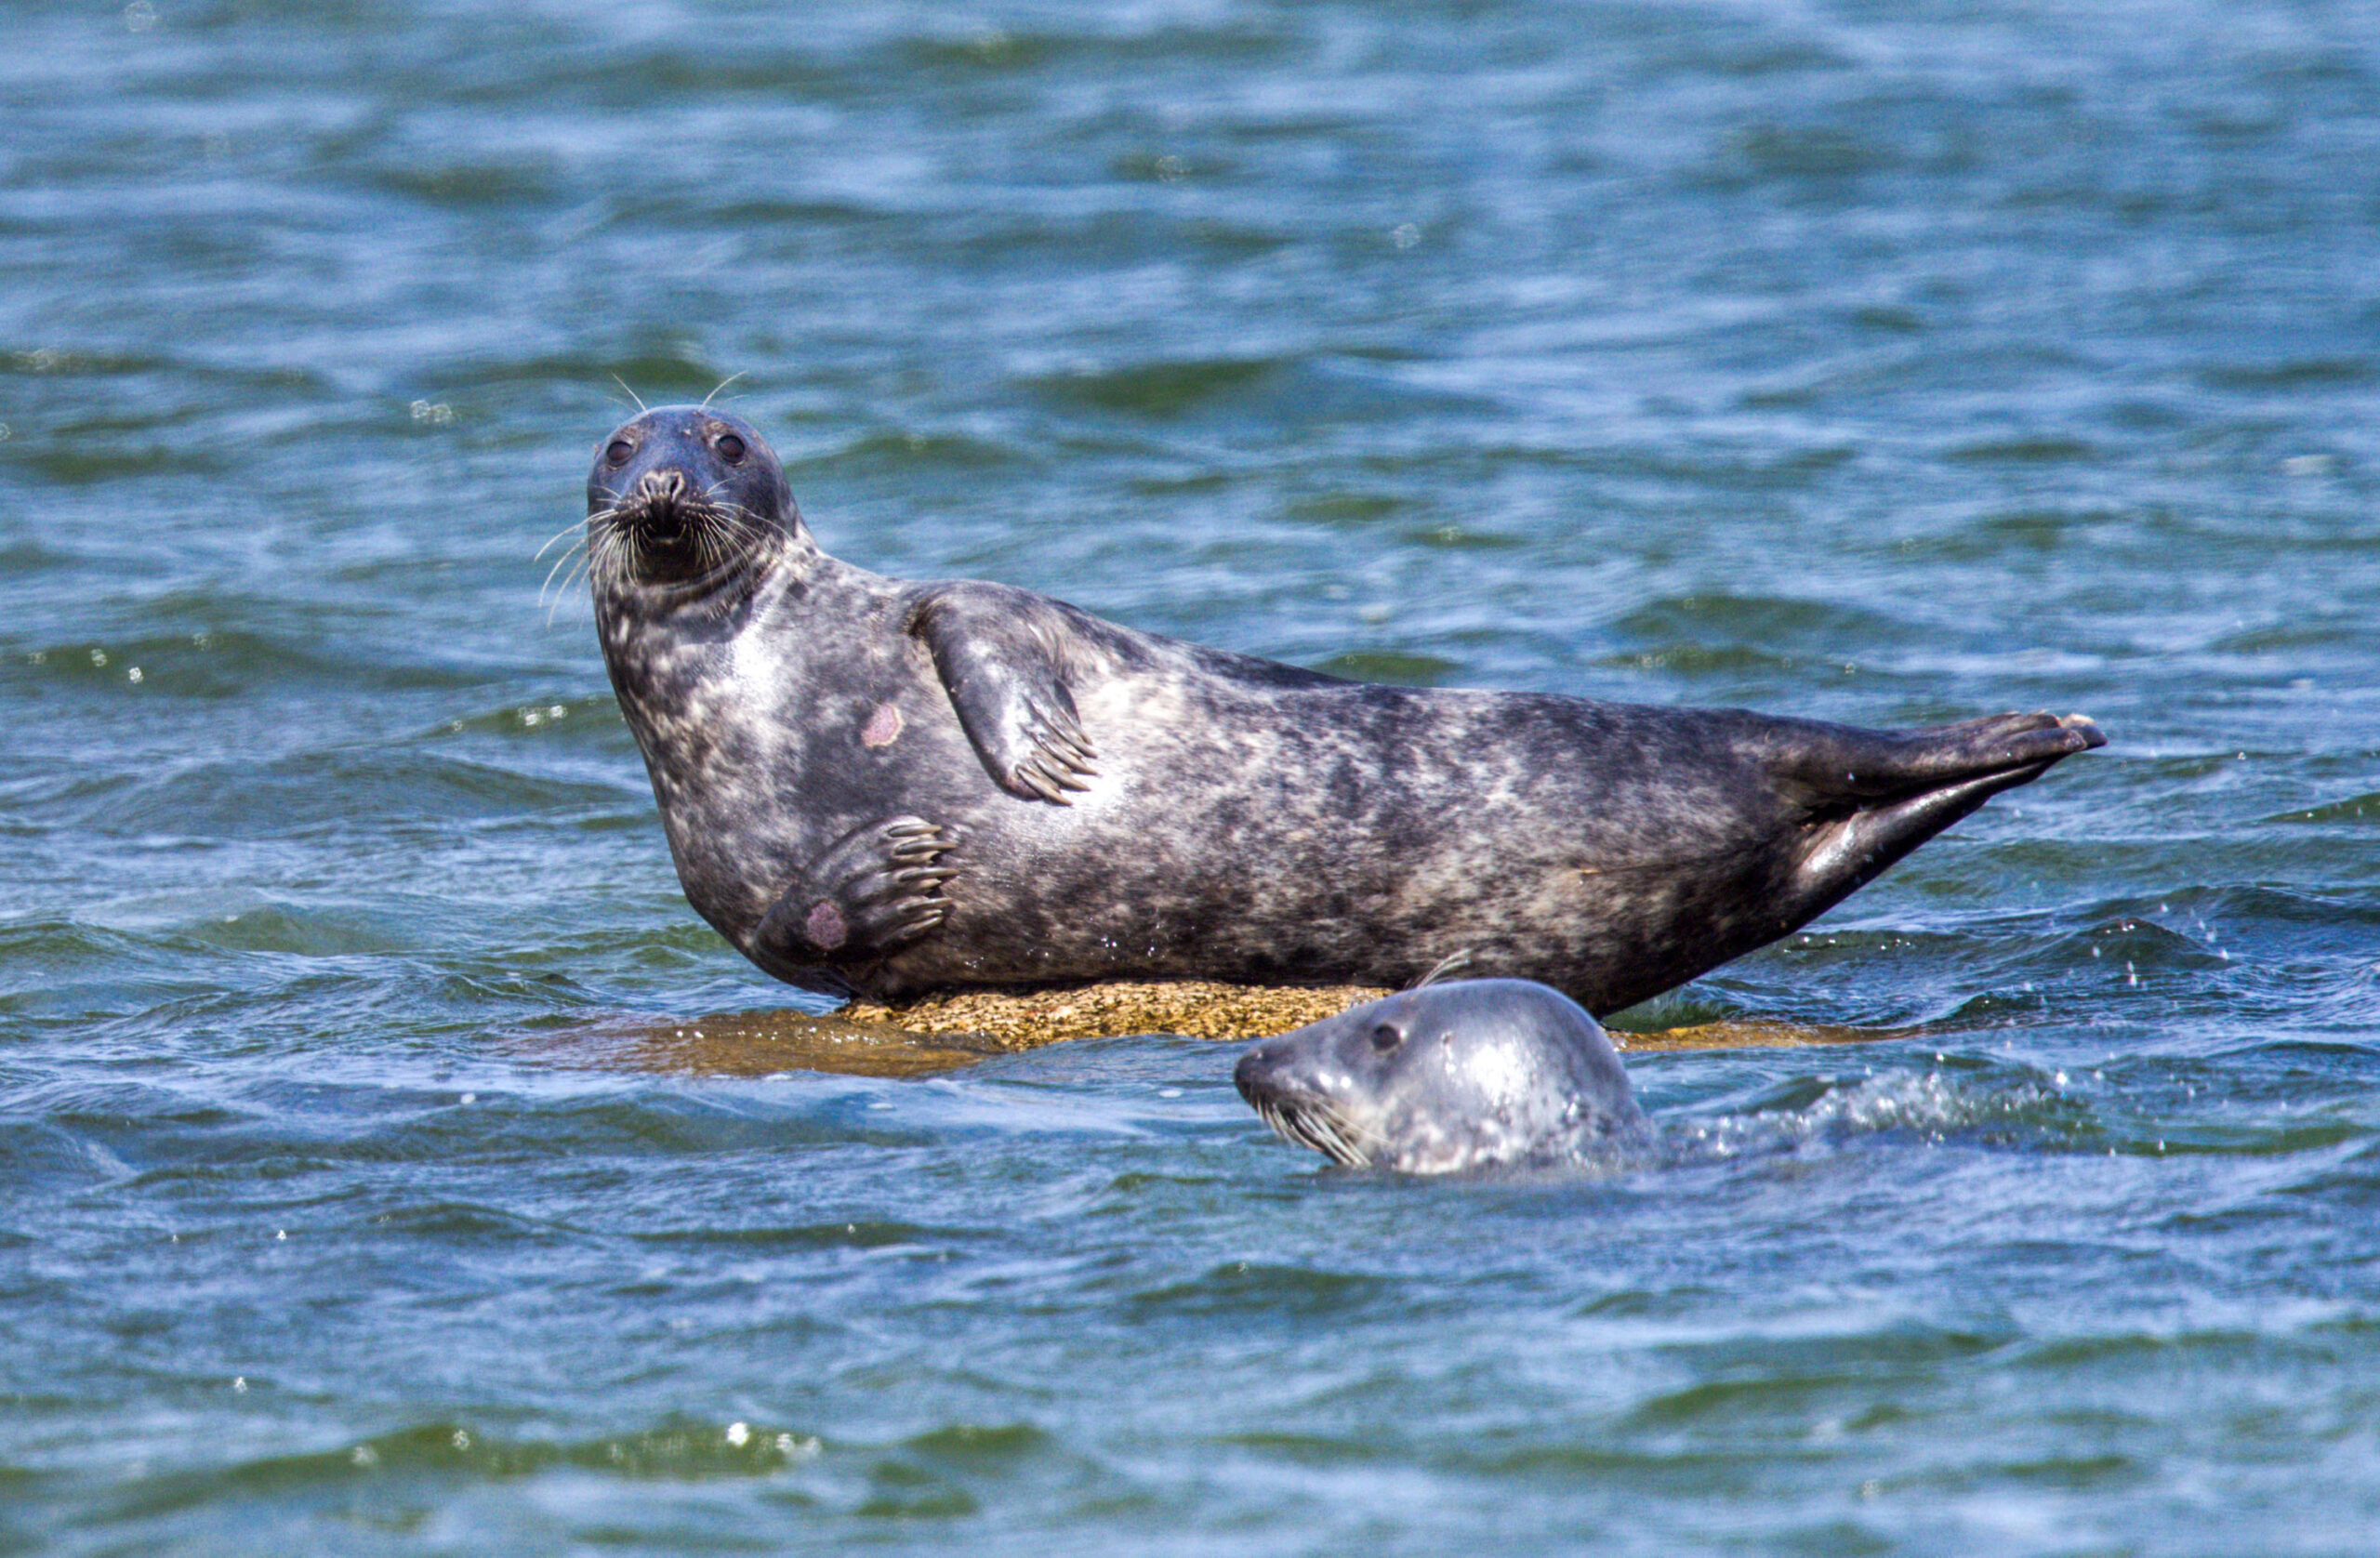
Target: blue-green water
1886	364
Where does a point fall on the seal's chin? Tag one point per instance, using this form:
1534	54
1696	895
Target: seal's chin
1317	1125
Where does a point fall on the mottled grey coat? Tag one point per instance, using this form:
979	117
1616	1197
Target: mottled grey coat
889	788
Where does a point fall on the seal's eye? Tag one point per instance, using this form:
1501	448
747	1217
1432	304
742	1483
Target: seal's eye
619	452
731	448
1386	1037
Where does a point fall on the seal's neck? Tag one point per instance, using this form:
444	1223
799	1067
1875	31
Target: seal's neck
661	639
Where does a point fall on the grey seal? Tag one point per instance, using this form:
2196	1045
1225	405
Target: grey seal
1471	1073
877	786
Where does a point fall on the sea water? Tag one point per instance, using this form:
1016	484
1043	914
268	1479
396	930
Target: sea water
1889	364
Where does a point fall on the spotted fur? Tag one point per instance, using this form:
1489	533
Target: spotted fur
1052	798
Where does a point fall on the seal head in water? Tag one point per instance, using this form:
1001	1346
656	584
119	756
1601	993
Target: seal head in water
1471	1073
886	788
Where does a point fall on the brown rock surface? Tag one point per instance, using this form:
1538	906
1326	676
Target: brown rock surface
947	1031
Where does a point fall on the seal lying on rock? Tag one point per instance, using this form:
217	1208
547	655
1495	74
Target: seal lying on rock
1471	1073
889	787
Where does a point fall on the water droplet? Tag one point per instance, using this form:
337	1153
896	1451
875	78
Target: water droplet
738	1432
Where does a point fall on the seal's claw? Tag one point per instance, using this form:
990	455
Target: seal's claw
876	890
1033	779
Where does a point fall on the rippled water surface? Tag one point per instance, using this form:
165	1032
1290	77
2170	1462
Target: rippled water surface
1890	363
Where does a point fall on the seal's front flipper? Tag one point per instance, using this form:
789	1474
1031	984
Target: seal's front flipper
876	891
1002	654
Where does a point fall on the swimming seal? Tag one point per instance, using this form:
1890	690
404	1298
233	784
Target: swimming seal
1471	1073
889	787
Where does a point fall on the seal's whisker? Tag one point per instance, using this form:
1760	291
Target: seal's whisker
1321	1129
550	597
721	384
568	592
574	551
632	394
1326	1125
612	549
574	526
569	588
1443	967
567	566
1333	1134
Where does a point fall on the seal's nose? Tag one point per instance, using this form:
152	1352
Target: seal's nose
1248	1071
661	486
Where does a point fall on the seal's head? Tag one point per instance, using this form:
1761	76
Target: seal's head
685	499
1464	1075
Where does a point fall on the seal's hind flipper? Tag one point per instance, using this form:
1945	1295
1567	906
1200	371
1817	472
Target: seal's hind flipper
1002	654
1885	793
1833	768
